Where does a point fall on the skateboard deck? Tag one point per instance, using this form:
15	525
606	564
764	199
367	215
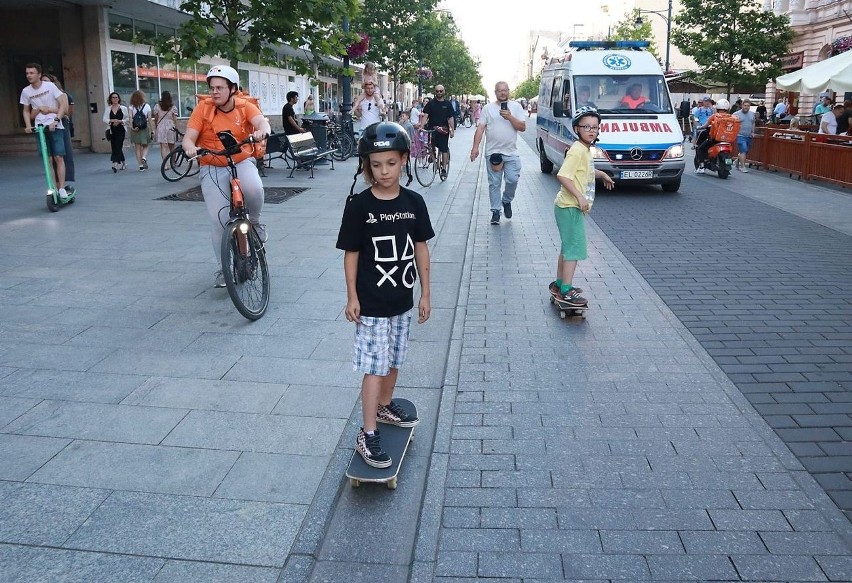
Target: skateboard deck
395	441
565	310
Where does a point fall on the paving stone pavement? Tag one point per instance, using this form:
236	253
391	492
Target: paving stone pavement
149	433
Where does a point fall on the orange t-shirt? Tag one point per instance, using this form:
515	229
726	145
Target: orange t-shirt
207	120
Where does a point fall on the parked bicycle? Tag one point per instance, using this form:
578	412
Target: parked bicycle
340	140
243	255
177	164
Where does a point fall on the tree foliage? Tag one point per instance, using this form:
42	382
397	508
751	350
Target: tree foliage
528	88
250	30
408	34
626	29
734	42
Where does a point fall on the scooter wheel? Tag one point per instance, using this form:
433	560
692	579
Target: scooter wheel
52	205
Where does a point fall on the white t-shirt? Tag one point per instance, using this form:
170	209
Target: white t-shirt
46	95
370	112
415	116
831	120
500	136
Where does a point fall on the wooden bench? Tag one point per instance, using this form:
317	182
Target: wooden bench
303	150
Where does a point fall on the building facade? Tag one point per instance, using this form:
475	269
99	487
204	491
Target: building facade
823	29
95	49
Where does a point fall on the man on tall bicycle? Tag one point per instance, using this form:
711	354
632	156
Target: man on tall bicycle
226	111
439	115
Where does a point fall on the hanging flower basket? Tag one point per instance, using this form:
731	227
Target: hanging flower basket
841	45
424	73
359	49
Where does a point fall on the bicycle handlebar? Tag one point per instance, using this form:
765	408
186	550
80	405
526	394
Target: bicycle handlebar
227	151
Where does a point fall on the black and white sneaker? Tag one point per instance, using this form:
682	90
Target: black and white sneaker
507	210
495	217
573	298
557	293
370	448
393	414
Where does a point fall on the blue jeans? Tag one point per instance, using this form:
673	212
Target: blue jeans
511	172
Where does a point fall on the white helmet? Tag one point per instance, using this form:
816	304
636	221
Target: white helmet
225	72
723	104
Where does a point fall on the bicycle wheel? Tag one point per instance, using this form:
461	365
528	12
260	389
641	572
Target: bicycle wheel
347	145
176	166
424	170
245	269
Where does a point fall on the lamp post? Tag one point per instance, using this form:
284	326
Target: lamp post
346	105
667	16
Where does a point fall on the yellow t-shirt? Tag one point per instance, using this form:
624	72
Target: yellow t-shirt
579	166
208	121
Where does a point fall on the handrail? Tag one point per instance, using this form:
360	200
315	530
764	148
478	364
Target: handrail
807	155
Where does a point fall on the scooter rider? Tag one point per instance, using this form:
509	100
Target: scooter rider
703	139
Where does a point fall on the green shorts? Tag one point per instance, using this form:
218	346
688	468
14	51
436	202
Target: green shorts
572	230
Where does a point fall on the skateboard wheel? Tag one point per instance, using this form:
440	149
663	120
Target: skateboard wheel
392	484
354	483
562	314
552	300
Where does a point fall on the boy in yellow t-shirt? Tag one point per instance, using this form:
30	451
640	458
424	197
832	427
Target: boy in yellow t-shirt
577	177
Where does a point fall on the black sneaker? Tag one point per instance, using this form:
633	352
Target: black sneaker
573	298
557	293
495	217
393	414
370	448
507	210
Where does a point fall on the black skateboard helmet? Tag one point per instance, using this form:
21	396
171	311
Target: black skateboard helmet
384	136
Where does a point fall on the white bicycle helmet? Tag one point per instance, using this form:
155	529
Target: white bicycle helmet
225	72
583	112
723	104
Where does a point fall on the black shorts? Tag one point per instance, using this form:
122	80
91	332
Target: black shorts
441	141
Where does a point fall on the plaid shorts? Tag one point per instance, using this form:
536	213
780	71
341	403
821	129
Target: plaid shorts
381	343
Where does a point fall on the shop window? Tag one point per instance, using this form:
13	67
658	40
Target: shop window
123	74
165	33
120	28
146	33
148	73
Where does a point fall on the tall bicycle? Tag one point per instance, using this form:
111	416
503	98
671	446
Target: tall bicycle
243	255
177	164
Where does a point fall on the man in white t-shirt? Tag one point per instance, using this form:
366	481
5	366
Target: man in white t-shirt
50	105
369	111
828	121
500	123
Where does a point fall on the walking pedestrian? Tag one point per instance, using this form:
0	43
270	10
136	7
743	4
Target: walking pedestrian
165	122
383	234
500	123
141	130
116	117
577	177
748	120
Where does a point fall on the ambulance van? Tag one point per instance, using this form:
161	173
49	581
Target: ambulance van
640	141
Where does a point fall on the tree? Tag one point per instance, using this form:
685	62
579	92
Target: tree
626	29
408	34
733	41
528	88
250	30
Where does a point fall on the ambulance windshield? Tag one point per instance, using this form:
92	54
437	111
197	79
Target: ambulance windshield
623	94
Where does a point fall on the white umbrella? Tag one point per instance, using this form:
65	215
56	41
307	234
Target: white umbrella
834	73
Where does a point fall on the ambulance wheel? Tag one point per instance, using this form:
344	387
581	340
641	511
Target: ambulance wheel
546	165
673	186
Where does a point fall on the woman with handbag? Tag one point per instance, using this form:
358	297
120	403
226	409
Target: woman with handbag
115	117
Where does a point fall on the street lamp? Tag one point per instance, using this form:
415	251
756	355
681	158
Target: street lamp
668	18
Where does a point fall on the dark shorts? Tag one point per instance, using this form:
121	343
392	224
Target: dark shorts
441	141
55	142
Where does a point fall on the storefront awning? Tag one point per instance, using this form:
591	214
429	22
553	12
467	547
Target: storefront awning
834	73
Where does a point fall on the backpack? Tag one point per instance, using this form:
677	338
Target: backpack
208	110
140	120
725	128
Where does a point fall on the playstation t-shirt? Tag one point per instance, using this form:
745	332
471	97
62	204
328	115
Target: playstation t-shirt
384	233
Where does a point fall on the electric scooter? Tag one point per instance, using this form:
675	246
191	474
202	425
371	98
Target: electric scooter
54	201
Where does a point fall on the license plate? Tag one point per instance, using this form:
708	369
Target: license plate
628	174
